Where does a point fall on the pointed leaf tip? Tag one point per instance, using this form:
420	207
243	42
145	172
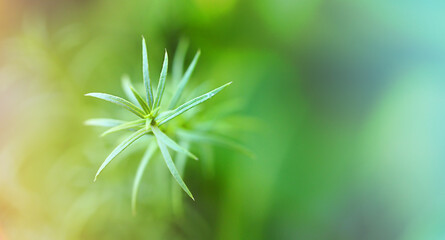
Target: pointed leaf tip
120	102
168	160
145	73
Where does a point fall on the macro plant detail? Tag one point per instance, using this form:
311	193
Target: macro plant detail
153	118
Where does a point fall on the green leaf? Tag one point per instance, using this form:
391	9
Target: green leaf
178	61
125	126
161	85
170	164
180	160
148	123
190	104
207	153
206	138
170	143
140	171
164	114
126	85
184	81
103	122
140	100
118	101
145	73
122	146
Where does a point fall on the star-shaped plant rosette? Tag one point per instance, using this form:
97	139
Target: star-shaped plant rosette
151	118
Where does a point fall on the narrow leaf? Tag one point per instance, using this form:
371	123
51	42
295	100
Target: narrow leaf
125	126
178	60
126	85
140	171
207	153
165	114
118	101
103	122
171	165
170	143
140	100
122	146
180	159
145	73
184	81
192	103
161	84
206	138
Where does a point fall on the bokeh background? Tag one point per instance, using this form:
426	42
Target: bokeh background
350	96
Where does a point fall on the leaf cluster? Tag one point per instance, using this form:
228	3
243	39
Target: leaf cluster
151	116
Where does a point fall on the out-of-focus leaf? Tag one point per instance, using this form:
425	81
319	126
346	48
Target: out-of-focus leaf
170	164
170	143
164	114
192	103
140	172
161	85
207	154
125	126
232	124
207	138
127	85
103	122
122	146
118	101
178	60
184	81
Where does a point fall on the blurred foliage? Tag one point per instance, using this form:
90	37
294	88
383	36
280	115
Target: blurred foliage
349	95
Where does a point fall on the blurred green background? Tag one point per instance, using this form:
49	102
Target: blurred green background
350	96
